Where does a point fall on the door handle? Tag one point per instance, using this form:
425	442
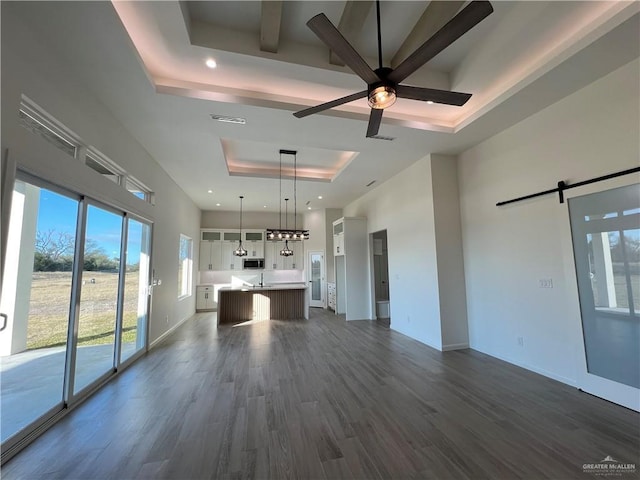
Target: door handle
5	319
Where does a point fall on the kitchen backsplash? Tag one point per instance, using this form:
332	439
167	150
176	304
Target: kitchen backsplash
253	277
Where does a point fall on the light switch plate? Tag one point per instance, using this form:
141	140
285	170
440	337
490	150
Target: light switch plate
546	283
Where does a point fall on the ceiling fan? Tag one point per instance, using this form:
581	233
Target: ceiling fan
383	83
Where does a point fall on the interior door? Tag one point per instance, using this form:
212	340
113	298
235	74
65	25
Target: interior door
605	228
316	278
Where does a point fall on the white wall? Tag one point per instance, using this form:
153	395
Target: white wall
508	250
403	206
250	220
446	210
314	221
31	68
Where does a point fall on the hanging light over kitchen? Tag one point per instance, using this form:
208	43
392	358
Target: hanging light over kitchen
286	234
240	251
286	251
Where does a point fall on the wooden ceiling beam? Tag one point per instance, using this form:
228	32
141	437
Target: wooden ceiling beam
434	17
351	23
270	25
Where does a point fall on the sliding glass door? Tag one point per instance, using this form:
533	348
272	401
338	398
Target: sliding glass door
74	302
136	289
35	305
99	296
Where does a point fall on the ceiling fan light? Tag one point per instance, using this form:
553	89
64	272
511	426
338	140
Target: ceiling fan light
382	97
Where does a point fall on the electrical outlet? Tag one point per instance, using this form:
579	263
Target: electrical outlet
520	342
546	283
166	318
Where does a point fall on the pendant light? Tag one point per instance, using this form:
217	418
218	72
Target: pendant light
286	251
286	234
240	251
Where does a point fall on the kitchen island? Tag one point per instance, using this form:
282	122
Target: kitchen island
286	301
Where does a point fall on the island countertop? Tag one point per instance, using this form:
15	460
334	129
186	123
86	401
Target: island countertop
270	286
281	301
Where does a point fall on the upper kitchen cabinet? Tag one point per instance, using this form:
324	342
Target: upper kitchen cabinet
254	243
338	237
210	250
274	261
230	241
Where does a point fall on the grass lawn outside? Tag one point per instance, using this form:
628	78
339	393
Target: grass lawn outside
49	309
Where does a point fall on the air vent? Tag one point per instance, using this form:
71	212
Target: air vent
382	137
222	118
370	183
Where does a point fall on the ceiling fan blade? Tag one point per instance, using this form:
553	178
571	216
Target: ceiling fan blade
331	36
374	122
432	95
328	105
464	21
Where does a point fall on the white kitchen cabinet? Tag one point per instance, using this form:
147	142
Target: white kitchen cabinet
254	244
271	255
338	244
338	237
294	262
274	261
351	268
229	244
210	250
331	296
204	298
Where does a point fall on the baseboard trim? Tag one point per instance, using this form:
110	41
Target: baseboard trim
455	346
168	332
526	366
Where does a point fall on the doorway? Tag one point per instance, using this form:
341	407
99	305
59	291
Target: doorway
316	278
380	259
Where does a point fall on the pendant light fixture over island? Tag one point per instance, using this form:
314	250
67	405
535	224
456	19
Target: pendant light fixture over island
240	251
277	234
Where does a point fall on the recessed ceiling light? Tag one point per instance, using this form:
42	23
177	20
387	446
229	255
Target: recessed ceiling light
319	197
217	204
211	63
209	191
429	102
264	206
308	208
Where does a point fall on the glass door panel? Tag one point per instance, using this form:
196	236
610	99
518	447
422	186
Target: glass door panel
606	241
99	297
316	265
36	299
135	307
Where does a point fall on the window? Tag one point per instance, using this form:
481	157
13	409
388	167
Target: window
185	262
105	167
39	122
138	189
35	123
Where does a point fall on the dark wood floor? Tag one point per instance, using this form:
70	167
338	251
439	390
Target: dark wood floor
327	399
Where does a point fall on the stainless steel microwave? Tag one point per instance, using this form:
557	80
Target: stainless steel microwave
249	263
